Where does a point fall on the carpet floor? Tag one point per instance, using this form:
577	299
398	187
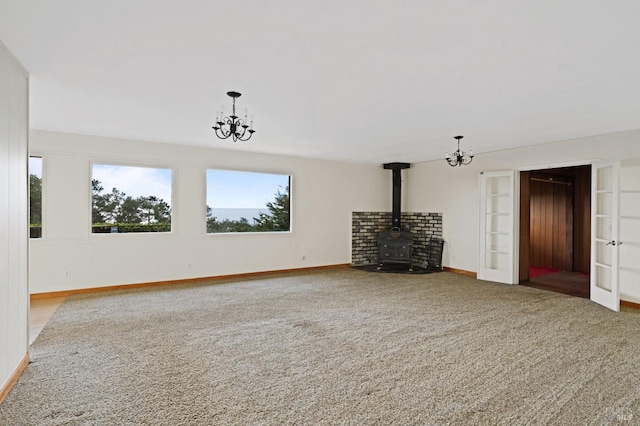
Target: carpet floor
334	347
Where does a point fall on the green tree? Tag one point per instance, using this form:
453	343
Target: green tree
35	200
279	216
152	209
105	207
128	211
116	207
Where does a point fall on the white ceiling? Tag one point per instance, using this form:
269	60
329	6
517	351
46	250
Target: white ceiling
368	81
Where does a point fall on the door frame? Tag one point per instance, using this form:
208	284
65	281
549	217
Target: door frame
516	214
517	196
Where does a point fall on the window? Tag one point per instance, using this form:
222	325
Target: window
130	199
247	202
35	197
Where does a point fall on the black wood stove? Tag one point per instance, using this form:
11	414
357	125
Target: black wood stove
395	245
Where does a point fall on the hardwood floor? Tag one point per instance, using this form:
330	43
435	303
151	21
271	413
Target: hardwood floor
39	313
571	283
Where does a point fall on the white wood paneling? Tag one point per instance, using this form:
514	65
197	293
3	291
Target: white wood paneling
13	215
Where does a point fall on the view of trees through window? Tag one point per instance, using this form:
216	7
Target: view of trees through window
35	197
247	202
130	199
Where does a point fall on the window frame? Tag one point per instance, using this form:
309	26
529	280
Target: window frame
290	176
43	215
133	164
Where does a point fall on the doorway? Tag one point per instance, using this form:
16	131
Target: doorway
555	229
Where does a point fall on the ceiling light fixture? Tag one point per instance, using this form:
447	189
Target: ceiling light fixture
232	126
459	157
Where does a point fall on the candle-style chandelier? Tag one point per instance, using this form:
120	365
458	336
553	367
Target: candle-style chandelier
459	157
232	126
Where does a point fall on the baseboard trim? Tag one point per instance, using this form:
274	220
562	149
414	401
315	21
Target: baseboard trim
630	304
4	391
65	293
460	272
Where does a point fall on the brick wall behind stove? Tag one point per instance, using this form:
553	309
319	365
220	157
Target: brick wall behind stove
365	227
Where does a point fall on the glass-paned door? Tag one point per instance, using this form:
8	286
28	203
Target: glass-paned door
497	224
605	243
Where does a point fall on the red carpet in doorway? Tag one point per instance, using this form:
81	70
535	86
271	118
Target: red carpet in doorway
536	271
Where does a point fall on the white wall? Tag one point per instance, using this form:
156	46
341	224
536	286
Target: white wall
14	83
324	193
437	187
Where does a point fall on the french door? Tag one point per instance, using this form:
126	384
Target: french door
497	259
605	241
498	222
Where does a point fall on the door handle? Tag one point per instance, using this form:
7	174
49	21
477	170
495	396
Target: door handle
612	243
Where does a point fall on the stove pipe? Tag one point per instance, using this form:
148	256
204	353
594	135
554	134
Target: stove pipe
397	192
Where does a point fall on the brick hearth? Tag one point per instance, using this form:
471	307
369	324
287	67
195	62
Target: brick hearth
366	225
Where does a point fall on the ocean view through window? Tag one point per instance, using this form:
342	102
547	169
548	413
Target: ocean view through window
247	202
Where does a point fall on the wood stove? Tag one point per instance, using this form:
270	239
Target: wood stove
395	245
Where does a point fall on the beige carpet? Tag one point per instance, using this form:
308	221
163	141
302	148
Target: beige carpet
336	347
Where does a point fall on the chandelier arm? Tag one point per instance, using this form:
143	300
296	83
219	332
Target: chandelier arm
221	133
240	132
242	136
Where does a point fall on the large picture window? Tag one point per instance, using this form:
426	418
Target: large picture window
35	197
130	199
247	202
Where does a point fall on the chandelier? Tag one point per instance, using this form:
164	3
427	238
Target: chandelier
459	157
232	126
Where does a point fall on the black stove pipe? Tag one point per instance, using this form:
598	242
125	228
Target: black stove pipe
397	192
